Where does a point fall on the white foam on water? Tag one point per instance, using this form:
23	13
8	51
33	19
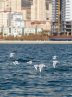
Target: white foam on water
12	55
15	62
29	62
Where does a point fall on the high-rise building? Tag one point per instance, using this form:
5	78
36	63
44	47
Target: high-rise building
6	7
38	10
10	5
15	5
56	16
49	11
66	16
62	16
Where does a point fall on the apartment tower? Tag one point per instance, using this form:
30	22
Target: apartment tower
62	16
38	10
6	7
56	18
66	16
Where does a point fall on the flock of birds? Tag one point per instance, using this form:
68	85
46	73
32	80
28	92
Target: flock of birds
38	66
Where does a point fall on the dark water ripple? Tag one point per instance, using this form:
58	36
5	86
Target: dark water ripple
22	80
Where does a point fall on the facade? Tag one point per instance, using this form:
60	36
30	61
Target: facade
55	22
66	16
41	11
10	17
30	30
15	5
49	12
62	16
15	24
24	12
14	19
38	10
6	7
10	5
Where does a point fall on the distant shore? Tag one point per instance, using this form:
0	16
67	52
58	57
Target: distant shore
34	42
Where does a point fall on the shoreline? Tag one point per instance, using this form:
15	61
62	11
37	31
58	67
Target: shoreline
34	42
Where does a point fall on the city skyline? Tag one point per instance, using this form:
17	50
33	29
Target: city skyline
18	21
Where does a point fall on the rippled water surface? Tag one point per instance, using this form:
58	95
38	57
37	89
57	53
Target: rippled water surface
22	80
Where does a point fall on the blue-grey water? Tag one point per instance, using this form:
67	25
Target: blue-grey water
22	80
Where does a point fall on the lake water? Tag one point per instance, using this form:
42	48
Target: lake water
23	80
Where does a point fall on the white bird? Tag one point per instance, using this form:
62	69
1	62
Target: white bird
40	66
15	62
54	57
36	67
55	62
12	55
29	62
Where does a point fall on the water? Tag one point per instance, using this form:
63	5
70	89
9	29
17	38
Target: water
22	80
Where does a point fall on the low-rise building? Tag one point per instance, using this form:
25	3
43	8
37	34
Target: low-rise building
15	25
28	31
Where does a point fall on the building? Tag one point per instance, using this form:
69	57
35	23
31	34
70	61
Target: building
62	16
41	14
24	12
16	20
38	10
6	7
55	22
66	16
10	5
15	25
11	11
15	5
49	11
